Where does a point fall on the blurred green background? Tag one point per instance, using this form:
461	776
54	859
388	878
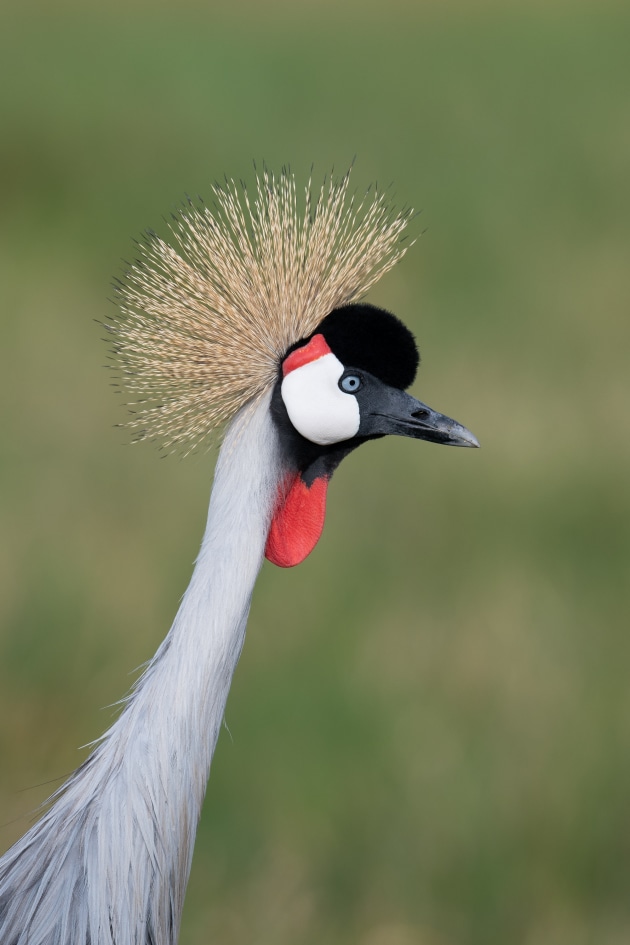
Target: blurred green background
430	723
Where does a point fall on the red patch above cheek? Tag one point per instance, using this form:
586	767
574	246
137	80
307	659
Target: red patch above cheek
297	522
316	348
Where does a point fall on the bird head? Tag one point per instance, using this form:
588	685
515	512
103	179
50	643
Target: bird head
338	388
258	297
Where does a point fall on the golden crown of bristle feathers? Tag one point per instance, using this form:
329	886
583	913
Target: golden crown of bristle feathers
204	322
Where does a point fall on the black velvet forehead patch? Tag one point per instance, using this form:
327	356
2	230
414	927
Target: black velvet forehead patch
370	338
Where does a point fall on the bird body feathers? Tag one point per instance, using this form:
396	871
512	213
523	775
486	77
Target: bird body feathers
109	861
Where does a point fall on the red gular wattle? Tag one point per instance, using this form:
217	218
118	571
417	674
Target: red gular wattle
297	522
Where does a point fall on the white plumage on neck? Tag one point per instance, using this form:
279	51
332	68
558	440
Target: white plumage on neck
109	861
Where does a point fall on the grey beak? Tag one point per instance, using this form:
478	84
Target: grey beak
393	411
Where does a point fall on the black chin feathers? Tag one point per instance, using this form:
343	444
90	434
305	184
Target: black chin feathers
374	340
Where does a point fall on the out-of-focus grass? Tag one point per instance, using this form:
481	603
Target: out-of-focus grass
430	722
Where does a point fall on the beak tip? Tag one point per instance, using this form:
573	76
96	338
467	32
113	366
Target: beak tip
463	437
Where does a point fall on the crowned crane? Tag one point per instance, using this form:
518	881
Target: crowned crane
251	320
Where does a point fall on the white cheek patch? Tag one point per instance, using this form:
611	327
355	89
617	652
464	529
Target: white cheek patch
317	408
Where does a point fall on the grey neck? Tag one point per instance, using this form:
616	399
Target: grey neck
109	862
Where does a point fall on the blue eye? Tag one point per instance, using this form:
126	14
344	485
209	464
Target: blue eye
350	383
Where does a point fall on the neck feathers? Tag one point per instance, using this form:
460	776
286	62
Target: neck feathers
108	863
